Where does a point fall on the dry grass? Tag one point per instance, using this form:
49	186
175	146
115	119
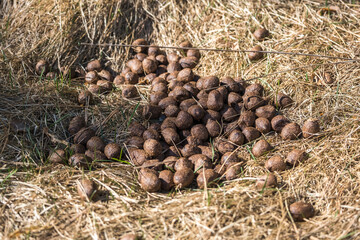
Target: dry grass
39	201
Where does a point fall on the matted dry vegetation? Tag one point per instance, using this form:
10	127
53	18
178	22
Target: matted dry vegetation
39	201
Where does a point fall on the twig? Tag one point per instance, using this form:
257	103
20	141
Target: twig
220	50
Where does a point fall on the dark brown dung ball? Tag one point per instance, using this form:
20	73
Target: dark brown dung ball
191	87
254	89
213	128
106	75
184	177
200	132
210	83
105	85
301	210
95	89
170	136
138	42
76	124
94	65
77	148
275	163
229	114
224	147
168	122
229	127
236	137
171	159
140	56
200	161
85	97
95	155
173	57
171	111
153	51
135	66
185	44
91	77
261	147
131	78
267	111
180	94
136	129
119	80
95	143
233	171
112	150
159	87
246	119
58	156
291	131
186	104
224	92
263	125
233	99
228	158
149	65
79	160
156	97
183	120
215	101
278	122
183	162
149	180
151	134
161	59
231	85
152	147
261	33
266	181
186	75
42	67
252	102
196	112
188	62
283	100
210	152
173	67
135	142
295	157
207	177
83	135
167	180
221	170
173	84
137	156
129	92
152	111
86	189
193	53
164	103
189	150
310	128
211	115
124	71
251	133
254	56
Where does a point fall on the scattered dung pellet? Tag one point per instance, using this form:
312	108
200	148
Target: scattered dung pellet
301	210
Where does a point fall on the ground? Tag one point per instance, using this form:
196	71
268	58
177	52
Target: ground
39	200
